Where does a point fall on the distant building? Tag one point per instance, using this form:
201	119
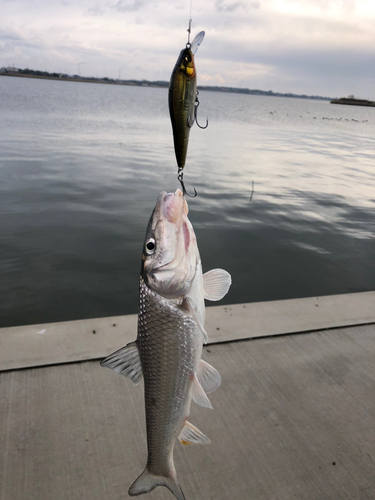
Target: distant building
9	69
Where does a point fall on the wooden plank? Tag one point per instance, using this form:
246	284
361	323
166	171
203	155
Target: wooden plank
38	345
294	418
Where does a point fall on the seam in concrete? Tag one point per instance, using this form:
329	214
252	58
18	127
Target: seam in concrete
84	340
221	342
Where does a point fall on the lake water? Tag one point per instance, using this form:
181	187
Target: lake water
82	164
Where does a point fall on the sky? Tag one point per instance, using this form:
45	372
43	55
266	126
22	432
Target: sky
314	47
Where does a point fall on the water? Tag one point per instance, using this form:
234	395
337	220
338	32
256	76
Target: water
81	166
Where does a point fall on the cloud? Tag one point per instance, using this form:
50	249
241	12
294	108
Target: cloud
96	11
224	6
9	35
129	5
286	45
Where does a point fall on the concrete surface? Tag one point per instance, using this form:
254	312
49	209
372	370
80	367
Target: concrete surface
294	418
38	345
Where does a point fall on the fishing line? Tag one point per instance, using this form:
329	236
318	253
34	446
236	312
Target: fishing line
190	21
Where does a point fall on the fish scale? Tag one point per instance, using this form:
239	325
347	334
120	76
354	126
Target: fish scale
165	335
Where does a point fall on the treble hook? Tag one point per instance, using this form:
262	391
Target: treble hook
180	177
196	112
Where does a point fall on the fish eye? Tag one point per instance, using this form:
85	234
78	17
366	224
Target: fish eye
150	246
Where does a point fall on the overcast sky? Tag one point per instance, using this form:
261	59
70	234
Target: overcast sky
324	47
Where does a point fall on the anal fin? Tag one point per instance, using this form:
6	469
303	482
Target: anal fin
191	435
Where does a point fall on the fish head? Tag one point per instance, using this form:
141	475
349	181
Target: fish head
186	63
170	252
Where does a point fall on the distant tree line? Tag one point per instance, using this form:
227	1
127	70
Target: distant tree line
150	83
28	71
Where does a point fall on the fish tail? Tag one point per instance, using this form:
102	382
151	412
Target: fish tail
147	481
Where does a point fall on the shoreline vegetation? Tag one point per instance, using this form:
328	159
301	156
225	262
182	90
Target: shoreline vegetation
353	101
29	73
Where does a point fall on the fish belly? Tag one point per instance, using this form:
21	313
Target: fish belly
170	347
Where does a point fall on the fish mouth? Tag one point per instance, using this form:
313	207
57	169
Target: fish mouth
175	210
174	206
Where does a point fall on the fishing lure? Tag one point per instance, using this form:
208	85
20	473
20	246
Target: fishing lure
183	102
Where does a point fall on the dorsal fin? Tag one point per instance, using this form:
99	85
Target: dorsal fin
126	362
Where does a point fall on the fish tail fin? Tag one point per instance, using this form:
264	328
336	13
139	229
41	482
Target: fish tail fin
147	481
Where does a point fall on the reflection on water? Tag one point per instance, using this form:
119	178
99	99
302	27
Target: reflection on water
82	165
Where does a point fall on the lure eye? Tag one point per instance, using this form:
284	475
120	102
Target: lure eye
150	246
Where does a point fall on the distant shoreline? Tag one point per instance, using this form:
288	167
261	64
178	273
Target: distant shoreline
353	102
163	84
69	79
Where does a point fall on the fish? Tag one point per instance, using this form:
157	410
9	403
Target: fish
168	349
182	97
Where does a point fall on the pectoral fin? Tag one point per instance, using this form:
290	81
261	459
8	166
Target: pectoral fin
126	362
208	377
191	435
216	284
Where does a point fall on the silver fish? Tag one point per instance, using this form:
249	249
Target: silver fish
171	332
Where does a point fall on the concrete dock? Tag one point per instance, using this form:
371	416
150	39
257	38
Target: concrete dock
294	417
